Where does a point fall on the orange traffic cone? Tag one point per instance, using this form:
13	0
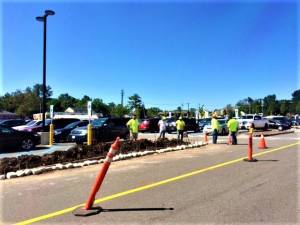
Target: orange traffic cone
206	138
229	141
262	142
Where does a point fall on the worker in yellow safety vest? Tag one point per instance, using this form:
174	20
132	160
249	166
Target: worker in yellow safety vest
180	125
133	126
233	126
215	128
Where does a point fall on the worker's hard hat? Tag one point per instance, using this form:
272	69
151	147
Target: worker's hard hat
180	117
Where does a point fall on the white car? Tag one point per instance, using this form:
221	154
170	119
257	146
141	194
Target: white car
258	122
29	124
223	129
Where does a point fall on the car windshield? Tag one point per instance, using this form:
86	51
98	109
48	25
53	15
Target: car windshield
222	122
205	121
72	125
99	122
31	122
247	117
282	119
47	122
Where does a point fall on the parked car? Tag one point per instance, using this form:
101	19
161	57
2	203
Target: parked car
203	122
12	122
58	123
29	124
61	134
149	125
191	124
13	139
279	122
257	121
104	129
223	129
295	121
170	125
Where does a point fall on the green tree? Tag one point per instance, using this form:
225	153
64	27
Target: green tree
135	102
65	101
100	107
270	104
120	111
153	111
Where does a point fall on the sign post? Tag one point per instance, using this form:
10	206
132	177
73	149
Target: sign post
236	111
89	109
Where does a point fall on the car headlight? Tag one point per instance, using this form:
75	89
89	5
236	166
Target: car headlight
83	132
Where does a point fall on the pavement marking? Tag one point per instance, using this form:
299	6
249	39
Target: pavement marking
156	184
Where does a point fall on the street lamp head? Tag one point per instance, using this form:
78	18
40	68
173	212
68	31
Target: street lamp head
49	12
40	18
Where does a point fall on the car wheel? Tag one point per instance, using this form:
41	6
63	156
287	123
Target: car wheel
27	144
266	127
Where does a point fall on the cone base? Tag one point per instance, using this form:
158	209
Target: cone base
250	160
87	212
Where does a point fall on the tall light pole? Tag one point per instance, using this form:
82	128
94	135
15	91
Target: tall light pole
44	20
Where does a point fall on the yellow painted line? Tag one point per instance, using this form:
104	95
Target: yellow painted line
131	191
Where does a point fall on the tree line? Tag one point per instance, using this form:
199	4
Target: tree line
268	105
29	101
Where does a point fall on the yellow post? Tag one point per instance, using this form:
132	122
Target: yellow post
51	134
89	134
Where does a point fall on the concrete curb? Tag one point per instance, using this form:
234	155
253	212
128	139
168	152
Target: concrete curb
273	134
120	156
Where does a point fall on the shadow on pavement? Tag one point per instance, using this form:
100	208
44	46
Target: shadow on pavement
135	209
97	209
267	160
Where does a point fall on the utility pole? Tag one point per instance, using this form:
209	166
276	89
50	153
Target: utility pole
262	106
122	96
188	115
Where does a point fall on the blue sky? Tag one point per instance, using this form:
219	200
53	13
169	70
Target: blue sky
169	52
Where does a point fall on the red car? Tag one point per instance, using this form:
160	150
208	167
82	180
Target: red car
149	125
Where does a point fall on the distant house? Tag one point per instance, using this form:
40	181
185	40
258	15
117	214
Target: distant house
7	115
70	110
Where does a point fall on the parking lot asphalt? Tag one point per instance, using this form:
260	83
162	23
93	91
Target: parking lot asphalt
227	190
40	150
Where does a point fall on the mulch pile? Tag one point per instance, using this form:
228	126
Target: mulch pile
80	153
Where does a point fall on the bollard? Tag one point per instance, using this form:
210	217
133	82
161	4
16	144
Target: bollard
51	134
88	208
250	146
205	138
89	134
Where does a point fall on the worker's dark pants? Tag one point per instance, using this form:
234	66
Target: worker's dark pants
162	134
180	135
233	138
215	136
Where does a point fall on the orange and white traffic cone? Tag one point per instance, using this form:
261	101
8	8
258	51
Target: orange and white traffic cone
262	142
229	139
205	138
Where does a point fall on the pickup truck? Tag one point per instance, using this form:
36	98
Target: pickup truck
257	121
